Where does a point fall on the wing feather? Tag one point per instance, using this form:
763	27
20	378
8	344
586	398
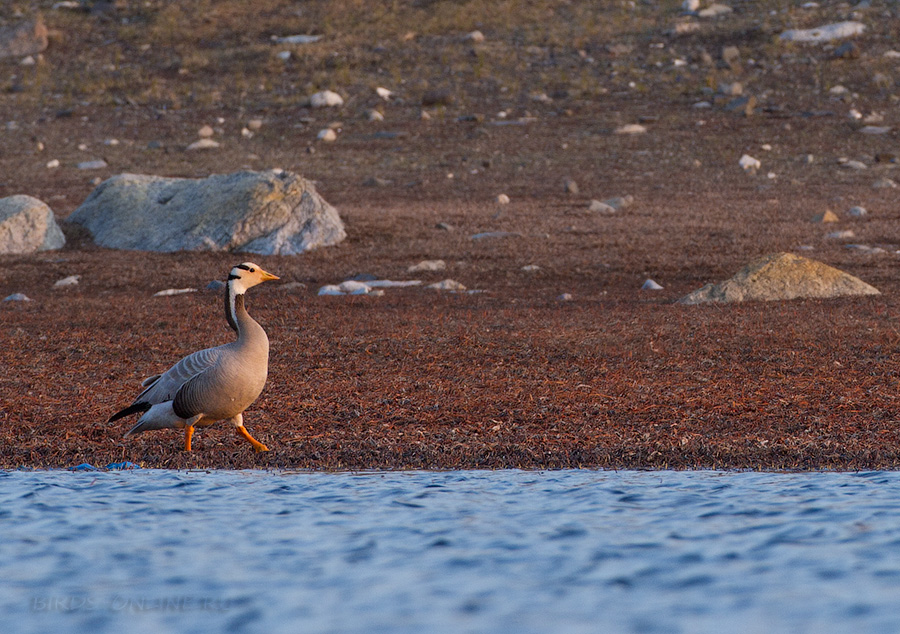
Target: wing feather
167	385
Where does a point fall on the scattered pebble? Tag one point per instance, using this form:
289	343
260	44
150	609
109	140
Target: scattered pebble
255	124
619	202
17	297
749	164
495	234
53	164
826	216
326	99
297	39
174	291
650	285
367	287
374	115
205	132
875	129
283	55
731	55
857	212
733	89
427	265
597	206
384	93
873	117
393	283
352	287
865	248
447	285
570	186
345	288
531	268
631	128
327	134
445	226
854	165
565	297
846	234
474	36
884	183
203	144
502	199
92	165
824	33
714	10
72	280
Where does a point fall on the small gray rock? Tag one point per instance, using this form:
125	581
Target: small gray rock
731	55
599	207
92	165
203	144
427	265
495	234
824	33
326	99
26	38
27	225
65	282
619	202
447	285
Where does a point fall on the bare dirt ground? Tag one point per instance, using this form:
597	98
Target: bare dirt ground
511	377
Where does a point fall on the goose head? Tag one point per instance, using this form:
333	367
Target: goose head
248	275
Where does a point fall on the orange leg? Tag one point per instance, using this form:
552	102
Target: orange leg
188	434
253	441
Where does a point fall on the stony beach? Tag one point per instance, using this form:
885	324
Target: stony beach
527	193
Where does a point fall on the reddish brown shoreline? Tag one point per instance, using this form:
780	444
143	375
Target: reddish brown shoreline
421	380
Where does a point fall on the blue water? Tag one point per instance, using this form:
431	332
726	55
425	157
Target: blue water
506	551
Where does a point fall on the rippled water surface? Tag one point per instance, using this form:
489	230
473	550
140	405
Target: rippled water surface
506	551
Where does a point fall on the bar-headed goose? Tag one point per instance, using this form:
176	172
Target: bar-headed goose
216	384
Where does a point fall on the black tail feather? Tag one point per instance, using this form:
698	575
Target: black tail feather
131	409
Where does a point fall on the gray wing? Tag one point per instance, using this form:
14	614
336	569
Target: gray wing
164	387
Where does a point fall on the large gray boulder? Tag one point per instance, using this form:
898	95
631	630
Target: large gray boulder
781	276
27	225
272	213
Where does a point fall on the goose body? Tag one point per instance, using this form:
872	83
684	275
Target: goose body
215	384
